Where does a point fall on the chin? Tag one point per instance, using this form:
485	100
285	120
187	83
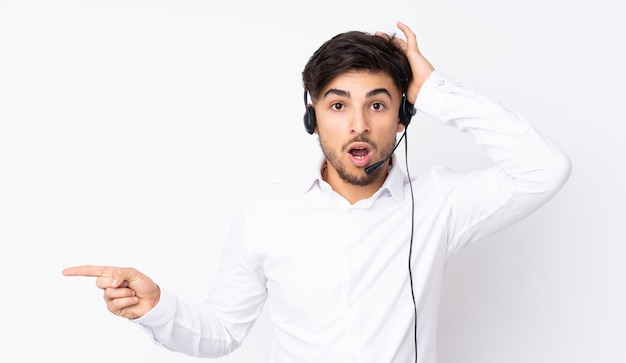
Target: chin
359	178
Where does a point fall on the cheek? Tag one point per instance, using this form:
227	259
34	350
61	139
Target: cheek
388	127
332	129
329	139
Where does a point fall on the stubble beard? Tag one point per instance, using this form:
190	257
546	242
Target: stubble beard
360	178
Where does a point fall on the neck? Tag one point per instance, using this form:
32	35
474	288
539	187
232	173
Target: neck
352	192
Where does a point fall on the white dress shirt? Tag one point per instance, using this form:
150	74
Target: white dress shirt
335	276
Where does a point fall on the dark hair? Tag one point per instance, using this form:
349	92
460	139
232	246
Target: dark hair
355	50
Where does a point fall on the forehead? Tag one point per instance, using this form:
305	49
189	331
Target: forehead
360	83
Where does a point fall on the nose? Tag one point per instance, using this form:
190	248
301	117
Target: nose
360	123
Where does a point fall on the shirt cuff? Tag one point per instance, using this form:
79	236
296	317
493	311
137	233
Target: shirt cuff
161	314
435	92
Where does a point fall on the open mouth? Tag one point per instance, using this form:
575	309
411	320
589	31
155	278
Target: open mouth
359	154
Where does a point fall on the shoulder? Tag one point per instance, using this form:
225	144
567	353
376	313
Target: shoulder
277	192
442	178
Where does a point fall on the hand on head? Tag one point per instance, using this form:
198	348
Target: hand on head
420	66
127	292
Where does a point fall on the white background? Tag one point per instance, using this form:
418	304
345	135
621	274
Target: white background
130	129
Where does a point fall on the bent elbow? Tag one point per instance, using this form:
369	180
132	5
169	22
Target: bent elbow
554	172
561	169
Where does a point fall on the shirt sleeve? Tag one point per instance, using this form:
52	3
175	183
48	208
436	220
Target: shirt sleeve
530	169
218	325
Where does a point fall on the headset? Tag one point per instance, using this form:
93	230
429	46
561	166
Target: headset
407	111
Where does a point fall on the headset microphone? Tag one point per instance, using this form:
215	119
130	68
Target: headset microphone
370	169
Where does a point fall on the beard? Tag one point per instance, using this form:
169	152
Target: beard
360	178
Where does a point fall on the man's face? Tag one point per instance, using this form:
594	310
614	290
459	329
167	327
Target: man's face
357	122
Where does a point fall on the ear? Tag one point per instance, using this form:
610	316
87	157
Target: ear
400	126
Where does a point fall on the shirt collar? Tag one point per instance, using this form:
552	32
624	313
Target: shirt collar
393	185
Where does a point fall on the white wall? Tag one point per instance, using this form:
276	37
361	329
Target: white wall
128	128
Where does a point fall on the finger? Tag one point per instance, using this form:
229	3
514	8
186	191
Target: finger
408	33
117	305
104	282
118	293
88	271
382	34
411	38
117	275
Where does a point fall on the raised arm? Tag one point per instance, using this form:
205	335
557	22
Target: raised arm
529	168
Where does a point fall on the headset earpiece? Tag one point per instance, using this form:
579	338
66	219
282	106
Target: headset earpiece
309	116
309	119
407	111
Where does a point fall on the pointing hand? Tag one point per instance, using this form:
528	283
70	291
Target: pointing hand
127	292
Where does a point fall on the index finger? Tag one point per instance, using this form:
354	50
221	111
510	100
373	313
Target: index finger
410	44
408	33
88	271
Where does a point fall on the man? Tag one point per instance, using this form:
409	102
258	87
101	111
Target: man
351	258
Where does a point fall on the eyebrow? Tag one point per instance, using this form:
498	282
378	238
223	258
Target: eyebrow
378	91
343	93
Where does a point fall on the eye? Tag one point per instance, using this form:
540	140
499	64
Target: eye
337	106
378	106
